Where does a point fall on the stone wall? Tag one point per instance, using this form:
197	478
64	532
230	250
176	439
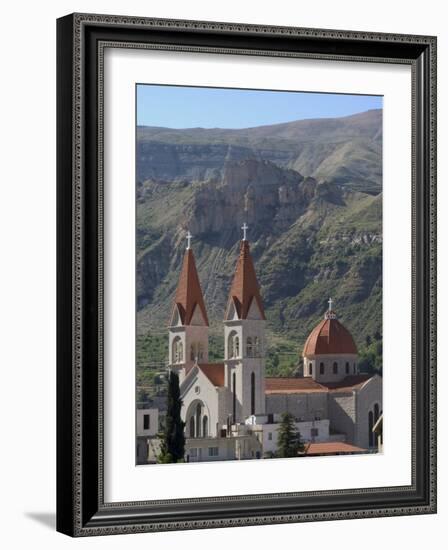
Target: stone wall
342	414
304	406
370	394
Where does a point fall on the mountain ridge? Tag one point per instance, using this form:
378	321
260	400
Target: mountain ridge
346	151
311	236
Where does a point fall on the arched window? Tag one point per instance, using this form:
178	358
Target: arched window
256	346
249	347
197	351
371	434
322	368
192	426
376	415
178	350
347	368
335	368
233	345
310	368
205	426
198	420
200	351
234	397
376	412
252	393
236	346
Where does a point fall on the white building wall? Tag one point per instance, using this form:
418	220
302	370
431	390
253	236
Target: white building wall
369	394
267	433
245	365
191	334
311	366
240	447
197	389
153	419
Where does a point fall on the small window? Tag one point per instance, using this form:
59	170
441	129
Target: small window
310	368
314	432
146	421
322	368
213	451
252	393
256	347
178	350
335	368
249	347
354	368
270	436
347	368
193	453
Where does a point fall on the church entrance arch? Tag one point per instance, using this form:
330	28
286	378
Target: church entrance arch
197	419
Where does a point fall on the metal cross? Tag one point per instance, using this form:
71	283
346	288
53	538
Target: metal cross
245	227
189	237
330	303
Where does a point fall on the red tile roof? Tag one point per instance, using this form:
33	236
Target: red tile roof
349	382
245	287
308	385
331	447
329	337
189	293
292	385
214	372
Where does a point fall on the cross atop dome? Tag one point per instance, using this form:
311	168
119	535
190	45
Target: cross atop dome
330	314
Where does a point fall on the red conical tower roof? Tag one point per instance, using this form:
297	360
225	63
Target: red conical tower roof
245	287
189	292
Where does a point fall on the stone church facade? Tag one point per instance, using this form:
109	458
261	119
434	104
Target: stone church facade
231	409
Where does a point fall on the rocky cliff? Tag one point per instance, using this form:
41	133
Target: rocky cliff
311	238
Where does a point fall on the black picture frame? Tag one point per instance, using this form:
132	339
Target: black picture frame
81	510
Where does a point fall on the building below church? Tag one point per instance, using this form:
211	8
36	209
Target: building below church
232	410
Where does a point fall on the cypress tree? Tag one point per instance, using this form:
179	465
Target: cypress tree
172	448
289	441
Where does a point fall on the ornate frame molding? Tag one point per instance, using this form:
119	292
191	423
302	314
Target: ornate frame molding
81	42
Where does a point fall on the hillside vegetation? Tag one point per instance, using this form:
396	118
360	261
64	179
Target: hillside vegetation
310	192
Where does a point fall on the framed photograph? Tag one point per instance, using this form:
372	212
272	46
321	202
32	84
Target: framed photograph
246	274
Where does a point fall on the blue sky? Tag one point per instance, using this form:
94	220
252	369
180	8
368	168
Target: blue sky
189	107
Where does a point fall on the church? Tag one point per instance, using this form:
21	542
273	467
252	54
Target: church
232	410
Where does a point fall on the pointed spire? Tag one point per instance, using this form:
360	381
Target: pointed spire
245	287
189	293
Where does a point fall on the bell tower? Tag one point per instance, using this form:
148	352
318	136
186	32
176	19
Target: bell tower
244	339
188	326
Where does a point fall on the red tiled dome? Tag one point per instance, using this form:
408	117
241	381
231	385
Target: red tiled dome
330	337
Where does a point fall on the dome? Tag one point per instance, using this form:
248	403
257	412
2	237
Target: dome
330	337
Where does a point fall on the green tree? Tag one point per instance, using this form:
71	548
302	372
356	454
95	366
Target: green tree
289	441
172	448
